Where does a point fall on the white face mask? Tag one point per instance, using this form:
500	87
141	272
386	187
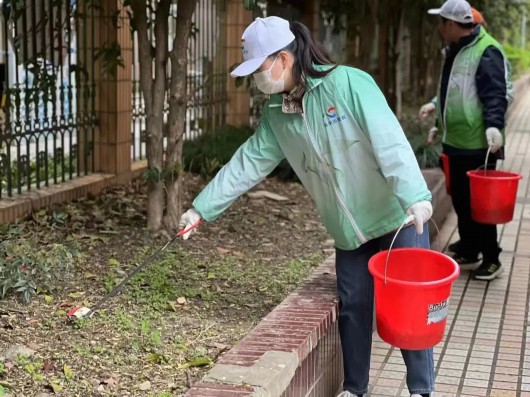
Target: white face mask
266	84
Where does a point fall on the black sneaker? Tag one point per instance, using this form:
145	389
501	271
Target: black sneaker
465	262
488	270
455	247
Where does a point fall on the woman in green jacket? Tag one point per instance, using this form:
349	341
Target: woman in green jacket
334	126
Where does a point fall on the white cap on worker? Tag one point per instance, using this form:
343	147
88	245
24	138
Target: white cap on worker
455	10
262	38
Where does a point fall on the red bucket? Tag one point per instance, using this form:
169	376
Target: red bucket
493	195
412	303
445	168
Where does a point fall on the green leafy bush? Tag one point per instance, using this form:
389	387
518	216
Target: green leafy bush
519	60
26	265
207	154
428	156
41	170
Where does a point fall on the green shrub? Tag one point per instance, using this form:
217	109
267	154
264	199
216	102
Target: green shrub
41	170
428	156
519	60
208	153
26	265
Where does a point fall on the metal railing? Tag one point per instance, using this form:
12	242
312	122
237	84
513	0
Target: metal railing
206	79
47	116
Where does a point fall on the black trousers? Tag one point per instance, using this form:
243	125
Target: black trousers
476	237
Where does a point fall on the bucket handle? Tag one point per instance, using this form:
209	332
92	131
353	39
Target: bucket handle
407	220
485	166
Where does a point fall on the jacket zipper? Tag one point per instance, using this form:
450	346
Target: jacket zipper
358	232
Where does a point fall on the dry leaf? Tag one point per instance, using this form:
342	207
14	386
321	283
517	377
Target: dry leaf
111	382
33	346
68	373
196	362
49	366
76	295
182	300
145	386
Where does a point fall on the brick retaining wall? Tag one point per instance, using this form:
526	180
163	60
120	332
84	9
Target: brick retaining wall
293	351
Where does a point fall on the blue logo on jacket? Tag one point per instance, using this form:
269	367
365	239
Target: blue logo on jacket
332	117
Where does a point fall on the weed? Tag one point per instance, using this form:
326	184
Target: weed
109	282
124	322
21	360
83	351
155	338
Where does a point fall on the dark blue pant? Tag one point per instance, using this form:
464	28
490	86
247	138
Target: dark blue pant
356	293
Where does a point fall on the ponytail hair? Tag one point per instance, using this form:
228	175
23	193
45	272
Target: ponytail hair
307	53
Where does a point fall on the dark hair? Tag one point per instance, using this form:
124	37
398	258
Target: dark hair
469	25
307	53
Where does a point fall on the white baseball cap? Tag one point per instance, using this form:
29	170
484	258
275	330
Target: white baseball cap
262	38
455	10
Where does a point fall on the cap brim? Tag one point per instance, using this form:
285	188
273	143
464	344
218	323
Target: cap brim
248	67
434	11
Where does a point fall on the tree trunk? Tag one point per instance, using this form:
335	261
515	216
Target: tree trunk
154	91
178	99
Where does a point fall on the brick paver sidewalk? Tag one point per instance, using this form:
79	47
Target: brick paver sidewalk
486	350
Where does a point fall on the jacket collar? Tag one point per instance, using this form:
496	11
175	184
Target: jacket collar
476	34
313	82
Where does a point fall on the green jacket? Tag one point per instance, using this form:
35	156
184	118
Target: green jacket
347	148
462	120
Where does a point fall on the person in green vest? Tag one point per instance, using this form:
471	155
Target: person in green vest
429	108
474	92
334	126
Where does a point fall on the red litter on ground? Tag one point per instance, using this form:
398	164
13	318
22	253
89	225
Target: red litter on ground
78	311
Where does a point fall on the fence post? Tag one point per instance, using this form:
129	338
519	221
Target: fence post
238	104
114	102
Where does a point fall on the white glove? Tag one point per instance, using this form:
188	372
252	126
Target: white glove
426	110
422	212
432	137
187	220
494	137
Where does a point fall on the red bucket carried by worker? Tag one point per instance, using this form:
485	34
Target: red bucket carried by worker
412	287
493	194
